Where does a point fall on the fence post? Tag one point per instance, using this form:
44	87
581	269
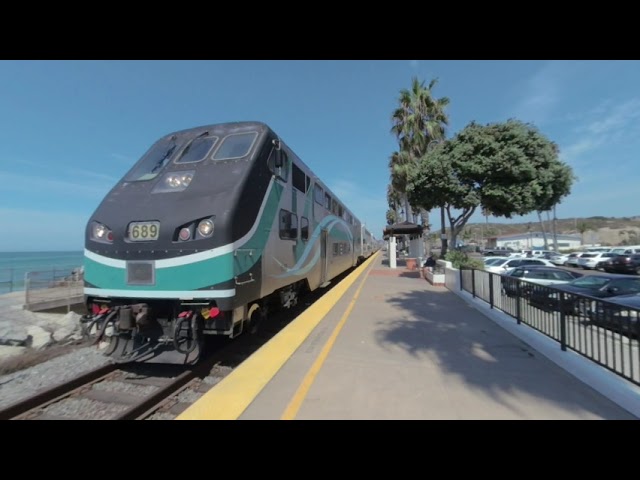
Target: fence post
518	316
563	323
473	282
460	278
491	289
68	282
27	284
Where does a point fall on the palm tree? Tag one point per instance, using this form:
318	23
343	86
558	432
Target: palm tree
394	198
399	166
418	122
391	217
583	227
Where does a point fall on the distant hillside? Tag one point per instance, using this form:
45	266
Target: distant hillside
603	230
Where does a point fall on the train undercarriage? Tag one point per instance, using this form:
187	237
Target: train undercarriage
174	331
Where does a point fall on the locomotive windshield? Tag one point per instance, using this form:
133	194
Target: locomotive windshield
154	160
236	145
197	150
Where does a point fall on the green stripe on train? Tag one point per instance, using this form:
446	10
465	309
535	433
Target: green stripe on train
200	274
191	276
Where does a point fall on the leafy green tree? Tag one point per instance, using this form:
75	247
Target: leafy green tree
507	168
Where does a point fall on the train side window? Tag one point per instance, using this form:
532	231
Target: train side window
298	178
327	201
318	194
288	225
304	228
236	145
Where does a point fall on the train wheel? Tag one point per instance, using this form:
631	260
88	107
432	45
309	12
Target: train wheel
255	317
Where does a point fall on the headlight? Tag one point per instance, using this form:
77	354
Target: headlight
174	181
177	180
205	228
101	233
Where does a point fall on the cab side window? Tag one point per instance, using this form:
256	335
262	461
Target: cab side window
288	225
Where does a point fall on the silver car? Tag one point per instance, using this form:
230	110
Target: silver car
535	275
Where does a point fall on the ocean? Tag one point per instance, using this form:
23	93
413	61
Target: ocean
51	265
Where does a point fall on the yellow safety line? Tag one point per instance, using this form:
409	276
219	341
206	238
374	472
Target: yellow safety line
230	398
296	402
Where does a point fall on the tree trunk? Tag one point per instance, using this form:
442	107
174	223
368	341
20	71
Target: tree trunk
454	232
425	231
407	209
443	234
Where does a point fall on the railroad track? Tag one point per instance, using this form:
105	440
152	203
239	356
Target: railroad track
129	392
150	391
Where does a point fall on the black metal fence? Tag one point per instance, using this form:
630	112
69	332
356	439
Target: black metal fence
600	330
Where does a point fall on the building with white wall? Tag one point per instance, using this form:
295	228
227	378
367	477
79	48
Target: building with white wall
534	240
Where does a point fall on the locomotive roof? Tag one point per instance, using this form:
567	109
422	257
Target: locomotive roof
226	128
222	128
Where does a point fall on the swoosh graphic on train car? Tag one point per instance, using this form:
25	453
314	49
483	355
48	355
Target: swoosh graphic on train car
327	222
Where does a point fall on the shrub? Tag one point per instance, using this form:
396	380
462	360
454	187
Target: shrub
461	260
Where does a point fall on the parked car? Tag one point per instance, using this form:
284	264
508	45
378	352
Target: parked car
558	259
628	250
598	286
591	260
508	263
494	260
619	313
498	252
572	260
624	264
535	275
605	261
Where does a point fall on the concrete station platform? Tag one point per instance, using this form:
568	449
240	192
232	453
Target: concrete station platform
385	344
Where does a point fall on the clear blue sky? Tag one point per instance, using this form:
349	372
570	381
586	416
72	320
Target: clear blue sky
70	129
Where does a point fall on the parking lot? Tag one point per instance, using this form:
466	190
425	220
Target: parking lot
607	344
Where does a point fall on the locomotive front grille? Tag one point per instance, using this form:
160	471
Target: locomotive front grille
141	273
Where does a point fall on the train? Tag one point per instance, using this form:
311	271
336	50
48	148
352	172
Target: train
213	228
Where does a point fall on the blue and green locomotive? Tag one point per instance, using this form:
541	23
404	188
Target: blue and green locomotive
211	229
